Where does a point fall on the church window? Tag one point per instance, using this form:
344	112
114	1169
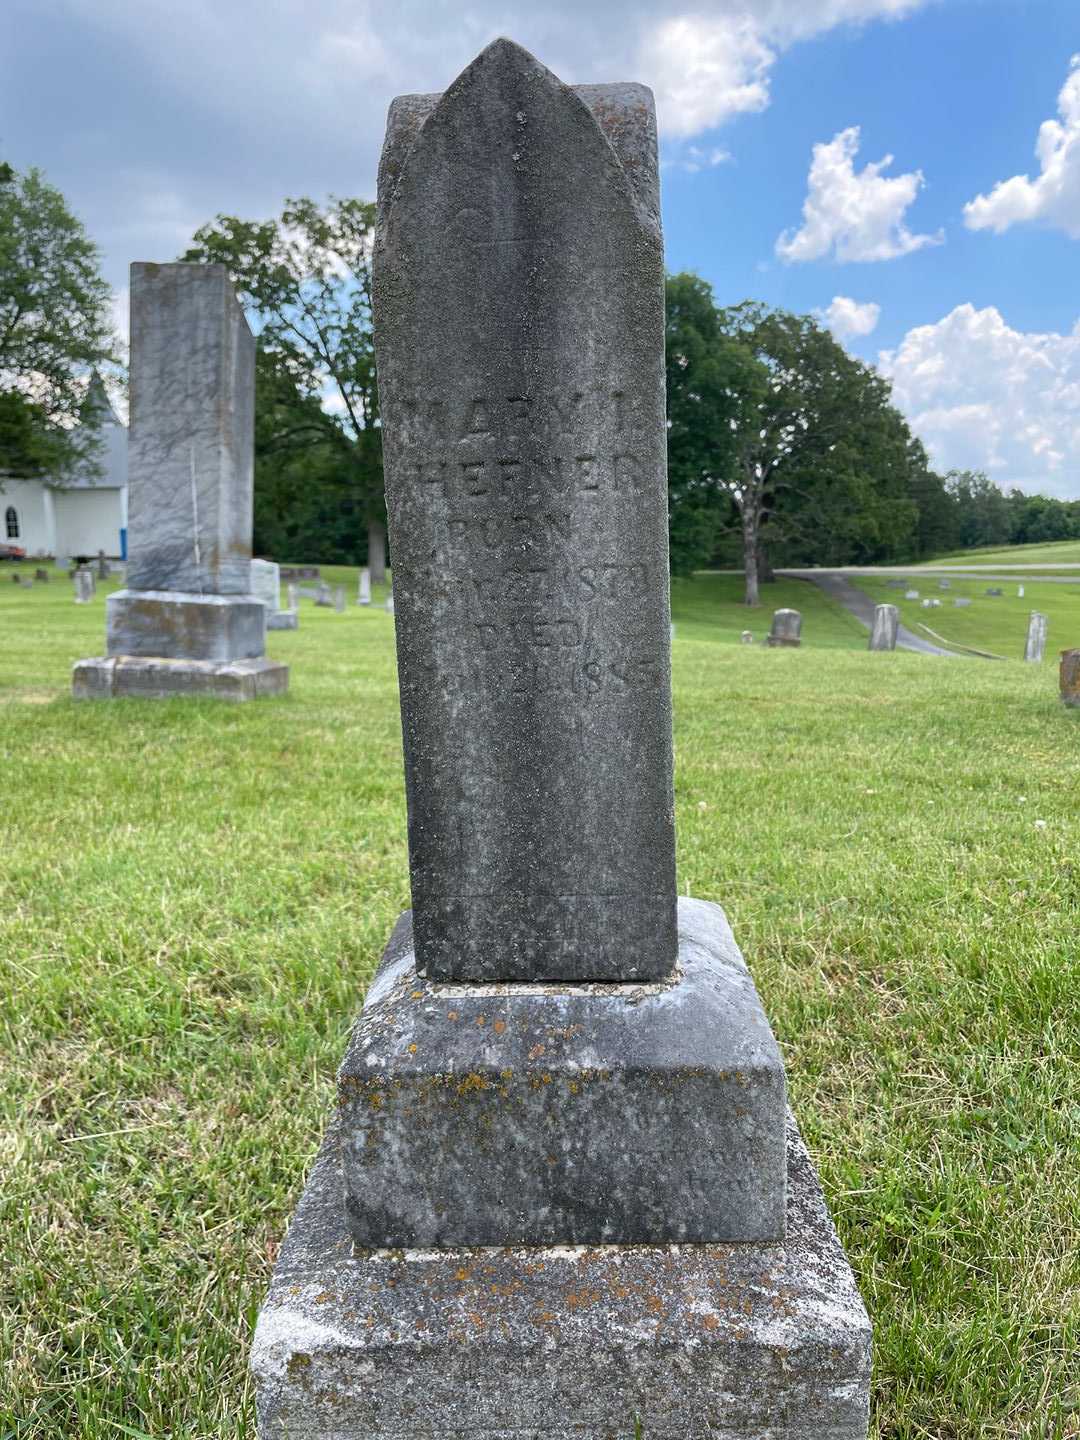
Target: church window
11	520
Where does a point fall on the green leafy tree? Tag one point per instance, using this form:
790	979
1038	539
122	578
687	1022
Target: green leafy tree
705	373
305	504
983	510
305	281
822	460
54	328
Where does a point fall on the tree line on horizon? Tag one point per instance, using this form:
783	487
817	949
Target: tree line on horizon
783	449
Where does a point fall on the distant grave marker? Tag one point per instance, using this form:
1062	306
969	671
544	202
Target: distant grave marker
885	628
266	586
786	629
1069	678
1035	642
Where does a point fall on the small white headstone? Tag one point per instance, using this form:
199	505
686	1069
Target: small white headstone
911	594
266	584
84	585
363	594
1035	644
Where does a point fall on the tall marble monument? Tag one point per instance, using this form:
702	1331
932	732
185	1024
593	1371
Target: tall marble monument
562	1194
187	623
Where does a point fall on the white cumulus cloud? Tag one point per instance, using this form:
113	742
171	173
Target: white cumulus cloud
854	215
983	396
706	70
846	317
1053	197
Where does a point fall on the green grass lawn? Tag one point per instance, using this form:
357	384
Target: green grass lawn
193	896
1048	553
994	623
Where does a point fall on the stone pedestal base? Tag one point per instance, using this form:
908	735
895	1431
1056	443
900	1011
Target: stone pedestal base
282	620
730	1342
565	1113
781	642
173	625
110	677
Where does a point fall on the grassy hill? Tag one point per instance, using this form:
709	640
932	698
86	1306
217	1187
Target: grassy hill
194	895
1050	554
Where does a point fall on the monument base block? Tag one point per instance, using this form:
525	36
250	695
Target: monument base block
733	1342
282	620
112	677
565	1113
174	625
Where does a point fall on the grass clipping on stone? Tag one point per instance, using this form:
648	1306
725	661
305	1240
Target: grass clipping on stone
193	896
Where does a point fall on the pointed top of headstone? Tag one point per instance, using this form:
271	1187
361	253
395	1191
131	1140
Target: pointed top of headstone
624	113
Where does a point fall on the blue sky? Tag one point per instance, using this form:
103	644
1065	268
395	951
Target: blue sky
953	267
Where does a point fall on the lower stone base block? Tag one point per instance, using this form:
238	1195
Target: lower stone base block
112	677
282	620
730	1342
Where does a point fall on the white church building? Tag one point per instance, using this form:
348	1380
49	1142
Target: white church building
80	515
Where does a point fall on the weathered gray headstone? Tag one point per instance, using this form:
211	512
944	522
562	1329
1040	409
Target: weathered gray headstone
911	595
363	592
884	630
1019	592
390	601
41	576
292	597
1069	678
521	388
323	595
554	1057
944	584
339	599
85	588
747	637
1035	643
188	599
961	603
786	628
995	590
102	566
